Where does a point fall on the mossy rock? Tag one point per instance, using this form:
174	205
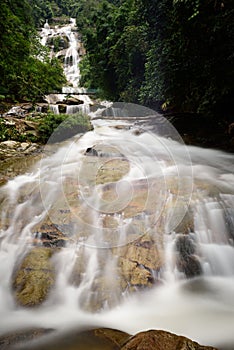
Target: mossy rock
34	277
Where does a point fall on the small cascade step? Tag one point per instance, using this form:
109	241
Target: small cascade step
73	109
54	109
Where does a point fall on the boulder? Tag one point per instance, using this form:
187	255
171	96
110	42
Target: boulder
10	144
189	265
186	259
62	108
140	262
161	340
34	277
102	339
73	101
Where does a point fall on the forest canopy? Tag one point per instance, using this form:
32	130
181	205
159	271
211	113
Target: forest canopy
174	53
23	75
178	52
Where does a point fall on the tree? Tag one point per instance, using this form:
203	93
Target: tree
23	75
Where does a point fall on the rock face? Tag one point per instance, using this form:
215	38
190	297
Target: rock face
161	340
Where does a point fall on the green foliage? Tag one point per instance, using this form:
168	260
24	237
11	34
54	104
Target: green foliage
116	46
10	133
39	78
58	127
44	9
178	52
26	73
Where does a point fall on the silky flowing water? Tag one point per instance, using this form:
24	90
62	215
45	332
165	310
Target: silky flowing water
202	180
143	178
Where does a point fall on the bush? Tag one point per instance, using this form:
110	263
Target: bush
58	127
10	133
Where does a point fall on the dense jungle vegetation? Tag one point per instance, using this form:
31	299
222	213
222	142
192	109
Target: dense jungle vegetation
176	53
25	69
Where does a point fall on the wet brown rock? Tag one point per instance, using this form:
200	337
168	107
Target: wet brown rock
189	265
93	339
34	277
98	339
49	235
186	260
111	339
11	340
161	340
62	108
139	261
73	101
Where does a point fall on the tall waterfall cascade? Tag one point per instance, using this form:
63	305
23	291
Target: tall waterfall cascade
138	226
70	63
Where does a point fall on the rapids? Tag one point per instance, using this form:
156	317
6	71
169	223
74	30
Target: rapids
201	308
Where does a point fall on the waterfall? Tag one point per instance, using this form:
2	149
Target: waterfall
54	109
72	109
180	197
139	226
83	108
71	59
71	66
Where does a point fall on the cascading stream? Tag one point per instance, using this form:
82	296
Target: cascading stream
146	228
63	188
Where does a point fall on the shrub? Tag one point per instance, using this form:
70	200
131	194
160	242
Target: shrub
58	127
10	133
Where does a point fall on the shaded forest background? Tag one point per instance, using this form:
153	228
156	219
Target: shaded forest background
173	54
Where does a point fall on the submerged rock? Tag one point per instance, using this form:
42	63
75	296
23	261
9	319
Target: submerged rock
90	151
34	277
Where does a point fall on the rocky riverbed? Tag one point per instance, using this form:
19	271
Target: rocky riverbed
99	339
122	267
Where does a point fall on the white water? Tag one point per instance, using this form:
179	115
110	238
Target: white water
200	180
71	61
54	109
201	308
